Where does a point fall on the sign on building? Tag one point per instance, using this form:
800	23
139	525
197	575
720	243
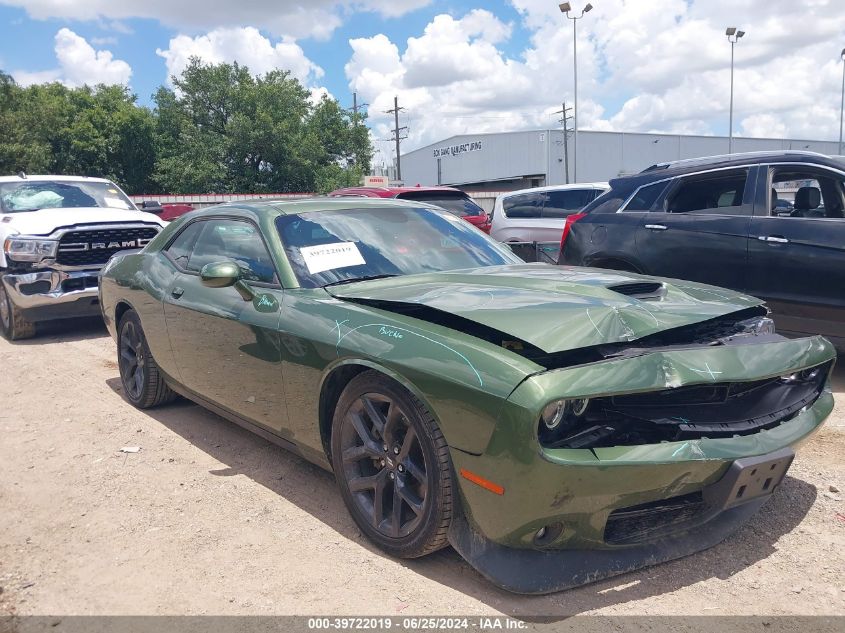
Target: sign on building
457	150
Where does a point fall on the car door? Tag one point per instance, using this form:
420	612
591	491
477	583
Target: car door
698	228
227	349
797	256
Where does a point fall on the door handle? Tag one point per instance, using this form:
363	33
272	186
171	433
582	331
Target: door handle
656	227
177	292
776	239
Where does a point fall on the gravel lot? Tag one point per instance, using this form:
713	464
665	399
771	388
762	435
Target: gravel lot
210	519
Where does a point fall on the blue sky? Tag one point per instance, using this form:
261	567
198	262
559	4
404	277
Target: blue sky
461	66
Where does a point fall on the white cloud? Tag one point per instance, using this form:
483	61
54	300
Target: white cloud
662	65
79	64
247	46
289	18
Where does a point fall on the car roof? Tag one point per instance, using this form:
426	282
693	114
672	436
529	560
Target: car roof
575	186
662	171
309	205
387	192
46	177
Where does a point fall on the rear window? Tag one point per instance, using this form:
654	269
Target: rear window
712	193
523	205
645	197
561	204
548	204
456	203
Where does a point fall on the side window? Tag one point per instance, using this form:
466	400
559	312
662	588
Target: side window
720	192
180	248
236	240
560	204
809	193
645	198
524	205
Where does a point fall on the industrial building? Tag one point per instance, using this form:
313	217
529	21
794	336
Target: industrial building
514	160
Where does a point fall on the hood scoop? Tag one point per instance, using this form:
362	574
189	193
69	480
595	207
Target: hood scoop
642	290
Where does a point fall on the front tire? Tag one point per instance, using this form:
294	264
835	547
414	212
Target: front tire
392	466
13	326
143	384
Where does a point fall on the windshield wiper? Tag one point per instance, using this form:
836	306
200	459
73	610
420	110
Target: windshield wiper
352	281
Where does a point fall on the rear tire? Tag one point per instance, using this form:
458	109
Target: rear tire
143	384
392	466
13	326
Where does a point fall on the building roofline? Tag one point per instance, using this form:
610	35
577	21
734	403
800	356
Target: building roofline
449	139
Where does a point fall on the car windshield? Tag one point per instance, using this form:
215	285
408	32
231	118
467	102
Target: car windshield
329	247
32	195
457	203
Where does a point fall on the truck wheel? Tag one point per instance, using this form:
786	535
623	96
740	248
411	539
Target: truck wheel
13	326
143	384
392	466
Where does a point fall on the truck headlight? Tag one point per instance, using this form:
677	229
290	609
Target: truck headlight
29	249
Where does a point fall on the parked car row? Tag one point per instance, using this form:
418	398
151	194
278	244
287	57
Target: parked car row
555	424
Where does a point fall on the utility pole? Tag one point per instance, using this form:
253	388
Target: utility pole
397	135
356	108
564	121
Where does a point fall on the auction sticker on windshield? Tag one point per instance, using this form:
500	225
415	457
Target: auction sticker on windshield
325	257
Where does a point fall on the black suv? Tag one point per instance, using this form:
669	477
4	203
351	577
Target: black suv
770	224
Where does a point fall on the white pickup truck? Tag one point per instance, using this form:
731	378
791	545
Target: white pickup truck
57	232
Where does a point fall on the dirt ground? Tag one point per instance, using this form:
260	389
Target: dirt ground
210	519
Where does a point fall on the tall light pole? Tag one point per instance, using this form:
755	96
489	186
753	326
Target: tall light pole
566	9
734	35
842	107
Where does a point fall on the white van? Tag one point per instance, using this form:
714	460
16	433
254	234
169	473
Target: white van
539	214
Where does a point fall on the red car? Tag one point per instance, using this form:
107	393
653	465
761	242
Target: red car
452	200
167	211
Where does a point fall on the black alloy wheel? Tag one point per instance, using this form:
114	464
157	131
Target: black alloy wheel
392	466
131	360
143	384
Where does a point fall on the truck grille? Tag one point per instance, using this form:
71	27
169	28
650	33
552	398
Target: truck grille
94	247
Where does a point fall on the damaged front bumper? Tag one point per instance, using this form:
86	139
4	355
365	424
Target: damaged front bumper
571	516
43	295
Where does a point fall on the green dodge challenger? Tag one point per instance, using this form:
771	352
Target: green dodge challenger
554	425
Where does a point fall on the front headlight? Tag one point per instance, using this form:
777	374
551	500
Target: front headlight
563	413
29	249
758	325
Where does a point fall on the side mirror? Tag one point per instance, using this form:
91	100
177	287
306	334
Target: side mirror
223	275
220	274
152	206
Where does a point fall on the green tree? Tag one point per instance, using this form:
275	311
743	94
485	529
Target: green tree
99	131
224	130
220	129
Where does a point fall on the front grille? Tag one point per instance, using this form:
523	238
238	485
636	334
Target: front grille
94	247
636	524
717	410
